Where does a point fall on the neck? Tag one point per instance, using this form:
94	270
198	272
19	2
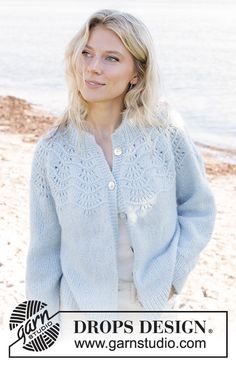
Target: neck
104	119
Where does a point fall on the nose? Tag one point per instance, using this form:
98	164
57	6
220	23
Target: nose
94	65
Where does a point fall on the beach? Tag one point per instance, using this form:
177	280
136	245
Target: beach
211	285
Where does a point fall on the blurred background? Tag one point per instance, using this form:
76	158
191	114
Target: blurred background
195	43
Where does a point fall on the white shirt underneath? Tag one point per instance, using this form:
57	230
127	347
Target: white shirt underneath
125	253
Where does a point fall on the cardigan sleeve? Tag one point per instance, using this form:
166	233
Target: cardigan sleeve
196	207
43	268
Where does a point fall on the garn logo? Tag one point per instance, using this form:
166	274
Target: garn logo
34	325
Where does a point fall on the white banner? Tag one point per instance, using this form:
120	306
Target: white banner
126	334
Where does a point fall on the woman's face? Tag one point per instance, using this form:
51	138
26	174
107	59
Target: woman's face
105	60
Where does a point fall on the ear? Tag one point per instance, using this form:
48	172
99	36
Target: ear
134	80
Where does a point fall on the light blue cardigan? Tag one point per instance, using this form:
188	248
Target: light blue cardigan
158	182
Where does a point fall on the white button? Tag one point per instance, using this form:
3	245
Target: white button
117	151
111	185
123	215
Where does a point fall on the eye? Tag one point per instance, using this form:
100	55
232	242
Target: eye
85	52
113	58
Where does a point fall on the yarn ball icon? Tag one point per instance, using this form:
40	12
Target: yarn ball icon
34	326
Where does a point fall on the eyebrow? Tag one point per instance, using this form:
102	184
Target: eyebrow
116	52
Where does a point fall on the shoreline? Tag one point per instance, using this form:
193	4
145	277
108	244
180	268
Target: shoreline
18	116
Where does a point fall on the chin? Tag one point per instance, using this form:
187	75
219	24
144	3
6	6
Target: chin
97	97
93	100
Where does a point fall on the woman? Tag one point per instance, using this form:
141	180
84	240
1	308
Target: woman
120	205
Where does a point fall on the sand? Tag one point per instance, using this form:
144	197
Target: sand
210	286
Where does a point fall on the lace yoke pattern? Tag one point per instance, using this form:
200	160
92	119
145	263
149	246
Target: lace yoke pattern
75	176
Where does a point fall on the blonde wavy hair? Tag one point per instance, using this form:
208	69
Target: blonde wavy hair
143	100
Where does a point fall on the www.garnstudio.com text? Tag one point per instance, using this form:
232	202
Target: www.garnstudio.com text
146	343
161	343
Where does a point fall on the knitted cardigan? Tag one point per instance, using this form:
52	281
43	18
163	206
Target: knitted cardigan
157	181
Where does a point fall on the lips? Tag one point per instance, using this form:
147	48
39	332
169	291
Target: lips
93	83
